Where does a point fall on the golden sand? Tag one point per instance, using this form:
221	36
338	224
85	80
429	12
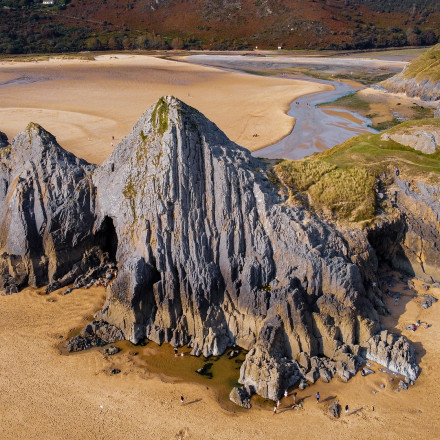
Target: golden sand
85	103
47	395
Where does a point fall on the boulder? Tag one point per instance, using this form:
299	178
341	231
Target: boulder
96	334
395	353
110	351
427	301
240	396
334	410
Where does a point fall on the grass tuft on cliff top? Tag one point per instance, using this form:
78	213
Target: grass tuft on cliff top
342	180
426	66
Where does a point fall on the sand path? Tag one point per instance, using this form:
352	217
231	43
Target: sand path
46	395
85	103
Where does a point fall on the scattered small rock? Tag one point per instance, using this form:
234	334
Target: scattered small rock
115	371
335	410
382	385
428	301
303	384
403	385
425	286
111	350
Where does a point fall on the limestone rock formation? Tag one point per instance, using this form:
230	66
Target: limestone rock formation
394	352
96	334
208	252
409	241
205	252
424	89
240	396
426	140
46	209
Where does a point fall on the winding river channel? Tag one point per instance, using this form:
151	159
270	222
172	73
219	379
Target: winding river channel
317	129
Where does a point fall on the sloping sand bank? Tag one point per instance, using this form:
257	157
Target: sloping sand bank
85	103
47	395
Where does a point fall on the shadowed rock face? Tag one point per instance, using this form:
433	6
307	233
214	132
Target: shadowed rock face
208	252
46	209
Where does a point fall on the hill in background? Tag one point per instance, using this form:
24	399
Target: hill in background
73	25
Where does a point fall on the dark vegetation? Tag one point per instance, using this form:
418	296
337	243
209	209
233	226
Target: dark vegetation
28	26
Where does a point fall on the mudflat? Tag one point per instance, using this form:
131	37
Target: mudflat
90	105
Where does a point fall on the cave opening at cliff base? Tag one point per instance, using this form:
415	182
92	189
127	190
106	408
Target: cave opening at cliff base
107	238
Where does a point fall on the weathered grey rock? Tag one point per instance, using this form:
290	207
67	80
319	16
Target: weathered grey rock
110	351
204	249
403	385
424	89
335	410
437	112
46	208
208	252
427	301
396	353
409	240
426	139
240	396
95	334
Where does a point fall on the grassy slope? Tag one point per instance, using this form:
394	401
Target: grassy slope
425	66
342	180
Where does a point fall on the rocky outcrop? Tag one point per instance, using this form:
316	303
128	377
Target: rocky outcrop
394	352
334	410
240	396
208	252
426	139
46	209
409	241
412	87
437	112
205	253
96	334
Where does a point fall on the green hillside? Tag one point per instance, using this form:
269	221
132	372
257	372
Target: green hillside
426	66
343	181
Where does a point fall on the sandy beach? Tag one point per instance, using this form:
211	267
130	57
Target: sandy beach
48	395
84	103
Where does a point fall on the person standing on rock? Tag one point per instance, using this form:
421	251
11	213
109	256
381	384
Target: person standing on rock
318	396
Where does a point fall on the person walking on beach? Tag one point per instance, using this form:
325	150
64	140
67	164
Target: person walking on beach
274	410
294	398
318	396
182	400
175	351
346	409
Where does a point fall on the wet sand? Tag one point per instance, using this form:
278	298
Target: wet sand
317	129
47	395
84	103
